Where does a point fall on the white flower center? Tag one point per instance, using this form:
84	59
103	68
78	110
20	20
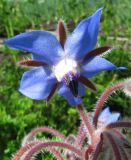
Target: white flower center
65	66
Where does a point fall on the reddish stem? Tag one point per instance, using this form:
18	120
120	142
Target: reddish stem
119	124
114	145
43	145
98	149
24	149
102	99
121	147
88	151
86	121
81	136
27	147
56	153
119	134
44	129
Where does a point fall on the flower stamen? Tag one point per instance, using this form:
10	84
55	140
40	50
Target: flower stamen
65	68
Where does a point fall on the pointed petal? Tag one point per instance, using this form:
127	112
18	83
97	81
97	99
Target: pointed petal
43	45
66	93
113	118
107	117
84	37
105	114
81	89
37	83
96	65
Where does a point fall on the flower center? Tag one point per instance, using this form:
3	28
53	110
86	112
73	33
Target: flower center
65	68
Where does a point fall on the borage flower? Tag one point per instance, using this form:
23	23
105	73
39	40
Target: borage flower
99	135
105	118
64	66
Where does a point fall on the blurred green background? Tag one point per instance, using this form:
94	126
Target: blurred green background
19	114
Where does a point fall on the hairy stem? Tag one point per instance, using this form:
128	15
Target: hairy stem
121	147
98	149
24	149
119	134
81	136
119	124
44	129
102	99
56	153
113	145
86	120
27	147
43	145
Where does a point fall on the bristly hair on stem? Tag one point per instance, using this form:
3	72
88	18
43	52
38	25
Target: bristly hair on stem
90	143
83	115
43	145
98	149
63	64
35	131
102	99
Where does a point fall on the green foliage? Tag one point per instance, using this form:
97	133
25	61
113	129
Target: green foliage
19	15
19	114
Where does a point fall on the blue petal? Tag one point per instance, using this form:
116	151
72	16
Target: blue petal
37	83
66	93
43	45
97	64
84	37
105	114
107	117
81	89
113	118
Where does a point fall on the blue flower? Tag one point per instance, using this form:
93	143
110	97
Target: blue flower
106	117
65	68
